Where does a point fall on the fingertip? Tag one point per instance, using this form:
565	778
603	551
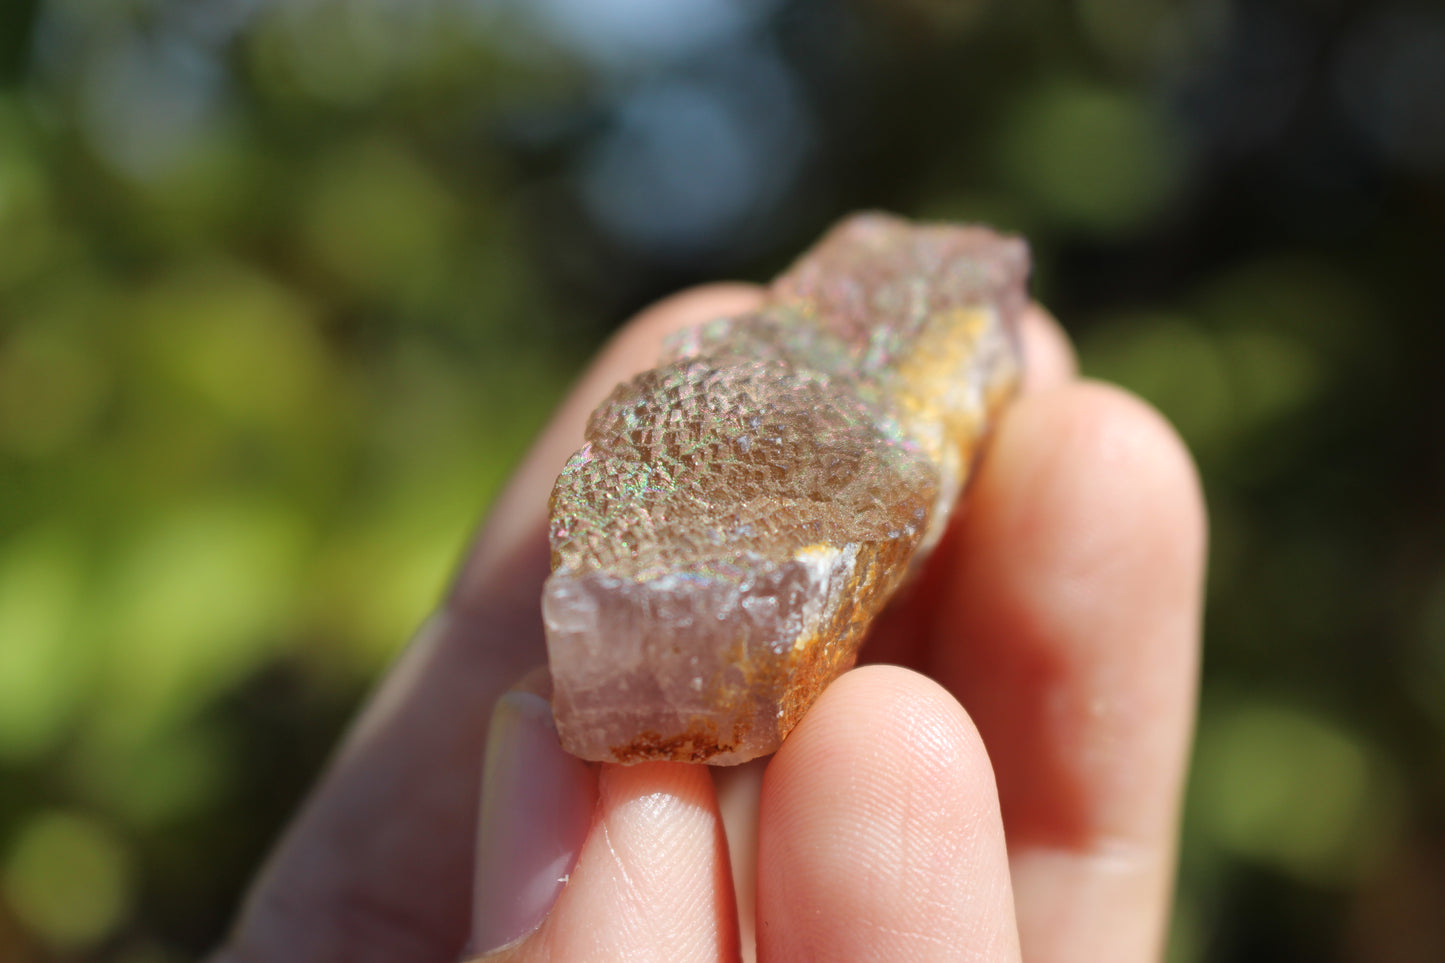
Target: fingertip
885	713
1105	459
655	813
880	827
1049	358
652	882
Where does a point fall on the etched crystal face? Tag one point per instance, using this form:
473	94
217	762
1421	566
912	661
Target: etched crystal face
740	513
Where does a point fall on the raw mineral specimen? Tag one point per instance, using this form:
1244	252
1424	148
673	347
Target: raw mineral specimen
741	512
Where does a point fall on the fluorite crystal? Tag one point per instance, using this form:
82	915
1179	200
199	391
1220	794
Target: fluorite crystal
741	512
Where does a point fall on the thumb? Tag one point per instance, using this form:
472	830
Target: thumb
577	862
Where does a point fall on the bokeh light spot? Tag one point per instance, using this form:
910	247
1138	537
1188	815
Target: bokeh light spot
198	601
1296	791
41	669
378	219
156	781
148	103
68	879
1091	159
52	390
687	165
1171	362
28	232
1153	33
342	53
623	33
235	340
1272	375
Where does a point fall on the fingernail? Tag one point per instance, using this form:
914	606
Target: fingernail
537	803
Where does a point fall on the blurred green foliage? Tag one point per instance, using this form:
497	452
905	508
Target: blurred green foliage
286	287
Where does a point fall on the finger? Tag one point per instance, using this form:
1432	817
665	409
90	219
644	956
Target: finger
1048	354
377	865
880	836
537	807
1069	626
651	881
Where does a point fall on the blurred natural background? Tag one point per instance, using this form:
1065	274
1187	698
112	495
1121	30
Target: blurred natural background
287	285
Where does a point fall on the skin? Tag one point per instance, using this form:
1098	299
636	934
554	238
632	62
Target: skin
1008	788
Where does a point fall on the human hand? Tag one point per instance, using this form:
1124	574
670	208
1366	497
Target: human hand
1063	610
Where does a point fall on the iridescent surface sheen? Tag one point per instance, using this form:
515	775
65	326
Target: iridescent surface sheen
740	513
